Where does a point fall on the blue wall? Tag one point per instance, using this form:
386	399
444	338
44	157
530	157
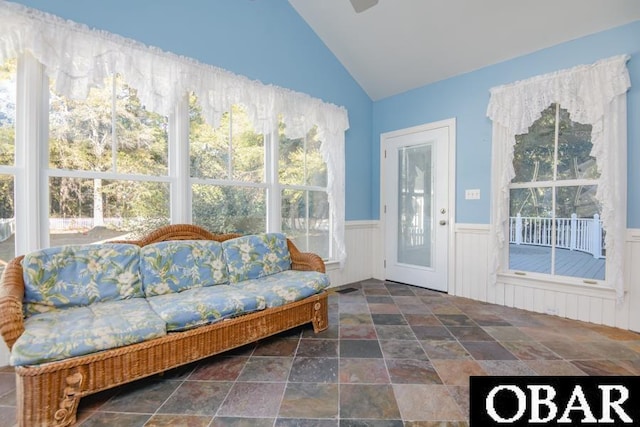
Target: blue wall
265	40
466	97
268	41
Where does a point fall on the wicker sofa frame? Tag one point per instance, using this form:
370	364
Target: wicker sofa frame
48	394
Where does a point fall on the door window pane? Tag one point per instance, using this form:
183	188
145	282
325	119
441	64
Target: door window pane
415	205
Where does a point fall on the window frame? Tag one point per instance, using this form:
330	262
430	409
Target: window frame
593	94
552	183
31	172
88	174
302	187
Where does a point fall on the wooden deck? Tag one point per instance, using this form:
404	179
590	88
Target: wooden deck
568	263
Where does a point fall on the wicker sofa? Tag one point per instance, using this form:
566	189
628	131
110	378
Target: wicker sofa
192	294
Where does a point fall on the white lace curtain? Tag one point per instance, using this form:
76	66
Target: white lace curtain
593	94
78	58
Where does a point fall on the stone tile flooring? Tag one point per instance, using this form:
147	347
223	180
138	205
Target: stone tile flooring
394	355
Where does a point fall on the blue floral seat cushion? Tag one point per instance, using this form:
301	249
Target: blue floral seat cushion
200	306
77	331
175	266
287	286
254	256
79	275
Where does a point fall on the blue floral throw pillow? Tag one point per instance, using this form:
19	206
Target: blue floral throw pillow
258	255
79	275
175	266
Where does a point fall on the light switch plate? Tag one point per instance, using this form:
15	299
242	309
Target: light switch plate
473	194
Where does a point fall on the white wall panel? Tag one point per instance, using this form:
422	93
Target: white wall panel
361	239
571	306
632	302
575	302
470	262
584	306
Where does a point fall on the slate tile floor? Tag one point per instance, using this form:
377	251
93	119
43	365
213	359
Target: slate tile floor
394	355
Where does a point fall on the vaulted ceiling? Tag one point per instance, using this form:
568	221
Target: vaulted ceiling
399	45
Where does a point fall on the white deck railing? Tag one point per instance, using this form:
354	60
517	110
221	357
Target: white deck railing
579	234
8	227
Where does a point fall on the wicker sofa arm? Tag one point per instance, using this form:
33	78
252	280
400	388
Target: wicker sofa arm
11	294
304	261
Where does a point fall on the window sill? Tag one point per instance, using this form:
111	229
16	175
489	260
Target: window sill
558	284
332	264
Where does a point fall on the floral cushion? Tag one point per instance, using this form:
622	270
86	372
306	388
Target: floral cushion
79	275
200	306
254	256
287	286
76	331
176	266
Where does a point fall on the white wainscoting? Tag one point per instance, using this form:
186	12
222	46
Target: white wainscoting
364	254
4	354
589	304
364	242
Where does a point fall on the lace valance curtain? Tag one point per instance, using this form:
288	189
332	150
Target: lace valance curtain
78	58
593	94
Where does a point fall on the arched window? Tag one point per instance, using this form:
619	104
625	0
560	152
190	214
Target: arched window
559	145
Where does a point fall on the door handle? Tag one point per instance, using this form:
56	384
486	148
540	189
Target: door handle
443	222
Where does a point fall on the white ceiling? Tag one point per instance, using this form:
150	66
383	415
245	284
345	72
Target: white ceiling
399	45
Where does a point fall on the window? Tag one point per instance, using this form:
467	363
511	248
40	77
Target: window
233	191
108	163
126	137
7	160
559	161
302	173
554	214
229	188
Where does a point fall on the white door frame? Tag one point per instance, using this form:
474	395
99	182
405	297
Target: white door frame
451	125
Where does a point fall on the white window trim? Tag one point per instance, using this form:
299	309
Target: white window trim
31	204
593	94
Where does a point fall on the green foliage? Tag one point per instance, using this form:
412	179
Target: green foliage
226	209
231	152
533	161
90	135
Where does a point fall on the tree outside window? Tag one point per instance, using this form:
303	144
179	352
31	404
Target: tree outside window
228	173
109	164
234	192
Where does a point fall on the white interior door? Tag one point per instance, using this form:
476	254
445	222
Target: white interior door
416	206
